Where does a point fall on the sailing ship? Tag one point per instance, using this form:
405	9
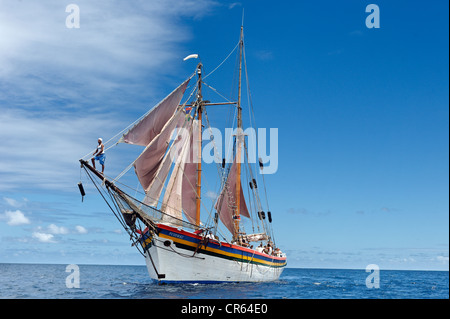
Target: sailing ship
168	225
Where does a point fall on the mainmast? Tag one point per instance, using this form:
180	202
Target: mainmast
199	103
199	154
239	138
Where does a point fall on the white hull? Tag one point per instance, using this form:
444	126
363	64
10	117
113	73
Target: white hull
169	263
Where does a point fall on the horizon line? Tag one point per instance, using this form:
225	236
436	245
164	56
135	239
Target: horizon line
143	265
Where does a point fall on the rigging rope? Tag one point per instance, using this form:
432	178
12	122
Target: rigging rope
222	62
252	115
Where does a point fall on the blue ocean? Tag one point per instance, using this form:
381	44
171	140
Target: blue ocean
44	281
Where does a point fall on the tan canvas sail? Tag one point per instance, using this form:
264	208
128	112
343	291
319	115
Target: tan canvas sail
153	122
172	201
189	193
153	193
148	163
226	202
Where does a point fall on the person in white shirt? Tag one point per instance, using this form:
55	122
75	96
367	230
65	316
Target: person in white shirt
99	154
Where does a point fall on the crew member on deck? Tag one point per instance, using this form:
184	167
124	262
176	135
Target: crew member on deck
99	154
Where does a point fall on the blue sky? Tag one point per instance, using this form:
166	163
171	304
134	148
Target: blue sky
362	118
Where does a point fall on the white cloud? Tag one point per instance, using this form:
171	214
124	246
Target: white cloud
15	218
57	230
80	229
43	237
61	88
60	230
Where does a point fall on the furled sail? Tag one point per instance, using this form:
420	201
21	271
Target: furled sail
226	202
154	121
257	237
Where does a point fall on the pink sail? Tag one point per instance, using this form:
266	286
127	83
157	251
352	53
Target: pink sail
153	122
172	201
189	187
226	202
153	193
148	163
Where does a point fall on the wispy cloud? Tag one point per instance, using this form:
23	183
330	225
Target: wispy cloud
211	195
52	233
61	88
356	33
42	152
117	45
53	229
378	210
81	230
264	55
12	202
443	259
304	211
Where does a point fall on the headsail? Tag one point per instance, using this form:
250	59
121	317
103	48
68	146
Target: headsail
226	202
154	121
148	163
153	192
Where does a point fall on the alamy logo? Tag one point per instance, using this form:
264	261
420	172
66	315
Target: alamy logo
373	19
373	280
260	147
73	19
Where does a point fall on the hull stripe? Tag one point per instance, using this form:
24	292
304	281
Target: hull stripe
190	242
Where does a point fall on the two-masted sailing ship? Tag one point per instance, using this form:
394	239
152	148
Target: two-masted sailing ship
181	235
